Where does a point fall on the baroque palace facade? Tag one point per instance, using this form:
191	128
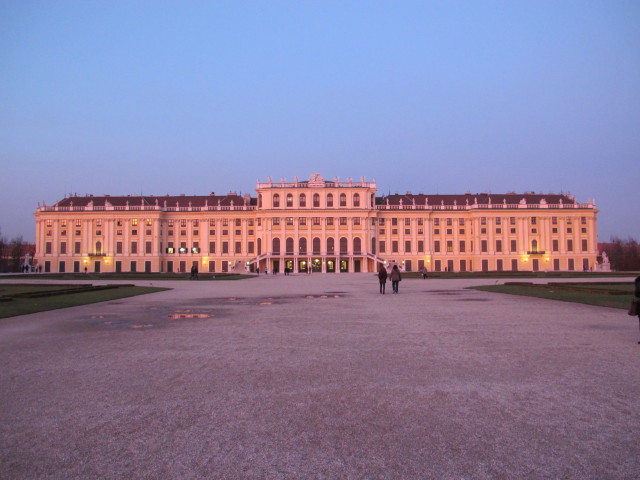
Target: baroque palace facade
320	226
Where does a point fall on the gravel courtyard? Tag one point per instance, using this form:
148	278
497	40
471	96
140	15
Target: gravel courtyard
321	377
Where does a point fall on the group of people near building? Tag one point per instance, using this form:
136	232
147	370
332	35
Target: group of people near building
395	276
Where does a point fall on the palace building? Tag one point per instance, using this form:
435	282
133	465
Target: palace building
317	225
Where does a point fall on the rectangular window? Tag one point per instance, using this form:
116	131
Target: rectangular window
569	245
302	221
420	246
63	248
134	247
498	245
356	221
583	220
554	244
225	247
119	248
462	246
438	266
238	247
238	222
498	221
461	222
147	247
133	266
382	246
436	222
329	221
436	246
76	248
449	246
343	220
512	220
407	231
289	221
449	222
499	265
407	221
534	220
275	221
483	246
584	245
250	247
394	246
571	264
212	247
394	222
514	247
483	220
407	246
316	220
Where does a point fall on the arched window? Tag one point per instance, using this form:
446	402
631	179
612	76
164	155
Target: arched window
330	200
344	246
98	248
276	200
534	245
356	199
330	245
316	200
343	199
303	200
259	246
289	200
302	245
357	245
316	246
289	246
276	246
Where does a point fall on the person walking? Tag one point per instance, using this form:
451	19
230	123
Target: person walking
382	278
396	278
635	307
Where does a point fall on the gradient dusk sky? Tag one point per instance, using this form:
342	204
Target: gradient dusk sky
162	97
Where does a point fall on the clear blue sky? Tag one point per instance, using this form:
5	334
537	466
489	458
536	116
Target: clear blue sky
160	97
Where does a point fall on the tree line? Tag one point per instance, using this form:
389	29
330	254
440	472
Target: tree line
12	253
624	255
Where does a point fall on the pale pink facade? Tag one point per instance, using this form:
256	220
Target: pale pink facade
319	225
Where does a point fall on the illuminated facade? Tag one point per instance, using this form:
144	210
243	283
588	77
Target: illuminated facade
317	225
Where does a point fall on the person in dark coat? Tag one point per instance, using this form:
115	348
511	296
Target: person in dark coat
382	278
636	299
396	278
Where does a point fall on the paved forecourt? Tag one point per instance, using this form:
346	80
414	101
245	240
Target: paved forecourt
320	376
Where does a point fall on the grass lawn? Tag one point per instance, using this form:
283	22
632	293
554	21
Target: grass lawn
26	299
614	295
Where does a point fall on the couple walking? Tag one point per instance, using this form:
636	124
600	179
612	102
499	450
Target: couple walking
395	278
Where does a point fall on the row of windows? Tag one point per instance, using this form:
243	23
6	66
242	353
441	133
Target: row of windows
134	222
315	199
438	265
316	246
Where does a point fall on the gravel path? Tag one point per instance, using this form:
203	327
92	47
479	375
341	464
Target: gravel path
320	376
